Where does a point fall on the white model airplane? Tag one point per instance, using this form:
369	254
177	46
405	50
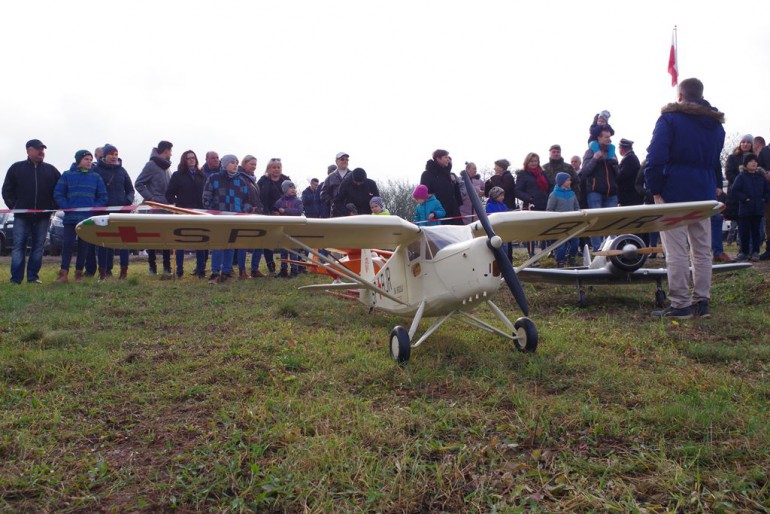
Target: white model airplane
620	261
442	271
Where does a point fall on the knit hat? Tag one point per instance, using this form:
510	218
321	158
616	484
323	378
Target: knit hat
80	154
108	149
227	159
605	114
747	138
561	178
421	192
376	200
331	168
286	185
359	175
496	192
748	158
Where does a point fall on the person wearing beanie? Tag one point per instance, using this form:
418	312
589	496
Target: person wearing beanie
289	205
556	165
152	183
563	199
120	192
377	205
355	193
752	191
601	121
428	209
80	186
228	191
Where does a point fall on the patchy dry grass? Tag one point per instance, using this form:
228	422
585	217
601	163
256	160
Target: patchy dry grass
150	396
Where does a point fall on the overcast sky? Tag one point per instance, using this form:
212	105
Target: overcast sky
387	82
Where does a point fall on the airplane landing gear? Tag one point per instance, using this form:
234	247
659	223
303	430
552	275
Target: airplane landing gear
400	346
526	335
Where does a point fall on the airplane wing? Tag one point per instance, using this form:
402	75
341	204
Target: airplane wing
605	276
544	225
196	232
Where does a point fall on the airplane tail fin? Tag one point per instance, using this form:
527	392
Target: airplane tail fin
586	256
368	271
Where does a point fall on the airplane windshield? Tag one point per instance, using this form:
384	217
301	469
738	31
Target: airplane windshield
440	236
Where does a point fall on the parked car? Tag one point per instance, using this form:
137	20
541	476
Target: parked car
6	233
56	234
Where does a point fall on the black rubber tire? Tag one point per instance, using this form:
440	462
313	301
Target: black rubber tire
400	346
526	335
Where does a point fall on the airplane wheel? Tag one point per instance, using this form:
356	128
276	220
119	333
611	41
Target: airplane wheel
582	298
660	298
400	346
526	335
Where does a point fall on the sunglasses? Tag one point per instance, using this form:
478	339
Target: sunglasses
275	159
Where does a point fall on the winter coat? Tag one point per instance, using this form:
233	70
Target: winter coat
30	186
270	191
226	193
504	180
732	170
552	168
751	191
443	184
600	174
529	192
78	188
120	190
291	205
495	206
185	189
311	201
466	208
330	188
358	194
685	148
562	200
423	211
153	180
626	181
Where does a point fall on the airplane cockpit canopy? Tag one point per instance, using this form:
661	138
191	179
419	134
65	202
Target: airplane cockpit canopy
435	238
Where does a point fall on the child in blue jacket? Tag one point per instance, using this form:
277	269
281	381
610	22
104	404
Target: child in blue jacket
428	209
289	205
81	186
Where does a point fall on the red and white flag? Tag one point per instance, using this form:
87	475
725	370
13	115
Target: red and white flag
673	64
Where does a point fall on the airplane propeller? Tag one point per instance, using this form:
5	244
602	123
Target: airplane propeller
495	243
629	251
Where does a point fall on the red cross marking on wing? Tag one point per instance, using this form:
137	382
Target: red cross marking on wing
128	234
695	215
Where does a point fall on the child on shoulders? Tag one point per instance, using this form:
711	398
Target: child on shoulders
601	122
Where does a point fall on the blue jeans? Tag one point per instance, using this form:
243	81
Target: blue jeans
256	256
34	229
286	255
200	261
567	249
598	201
68	244
106	257
222	261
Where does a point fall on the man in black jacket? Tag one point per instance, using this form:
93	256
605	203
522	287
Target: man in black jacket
629	169
29	184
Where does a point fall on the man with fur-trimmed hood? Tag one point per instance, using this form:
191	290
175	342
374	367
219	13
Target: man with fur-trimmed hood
684	151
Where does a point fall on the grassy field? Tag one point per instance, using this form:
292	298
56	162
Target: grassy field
145	395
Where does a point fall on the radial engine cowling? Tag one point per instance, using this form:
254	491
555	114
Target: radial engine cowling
629	261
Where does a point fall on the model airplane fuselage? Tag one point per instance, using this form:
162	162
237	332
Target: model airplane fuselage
443	271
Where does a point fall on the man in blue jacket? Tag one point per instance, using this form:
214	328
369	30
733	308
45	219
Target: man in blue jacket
684	151
29	184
